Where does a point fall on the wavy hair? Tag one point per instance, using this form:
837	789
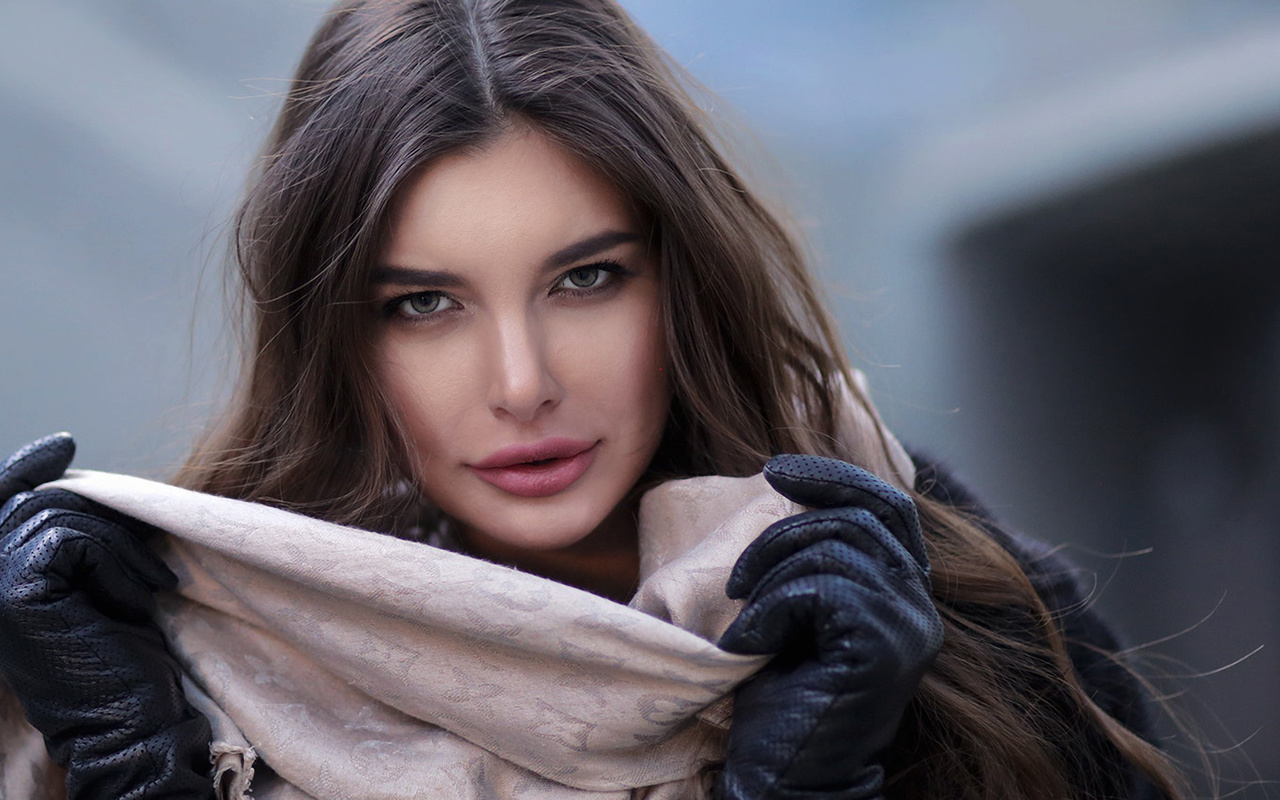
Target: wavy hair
756	368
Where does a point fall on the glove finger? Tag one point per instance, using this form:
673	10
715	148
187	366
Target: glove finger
797	596
58	564
39	462
854	526
832	557
25	505
826	483
821	594
121	546
870	637
786	618
92	554
170	762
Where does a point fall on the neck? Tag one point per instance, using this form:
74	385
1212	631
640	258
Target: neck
606	562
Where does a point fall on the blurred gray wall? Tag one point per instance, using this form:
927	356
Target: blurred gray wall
1047	227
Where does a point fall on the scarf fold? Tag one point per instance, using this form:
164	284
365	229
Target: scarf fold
336	663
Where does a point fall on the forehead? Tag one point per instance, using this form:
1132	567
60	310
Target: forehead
522	196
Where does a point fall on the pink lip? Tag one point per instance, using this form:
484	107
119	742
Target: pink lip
537	470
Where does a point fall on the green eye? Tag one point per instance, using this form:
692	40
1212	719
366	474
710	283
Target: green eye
422	304
585	277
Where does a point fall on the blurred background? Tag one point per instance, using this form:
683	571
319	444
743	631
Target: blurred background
1049	230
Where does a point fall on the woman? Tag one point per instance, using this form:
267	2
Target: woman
501	282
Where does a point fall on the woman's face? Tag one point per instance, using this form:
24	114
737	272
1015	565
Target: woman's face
521	340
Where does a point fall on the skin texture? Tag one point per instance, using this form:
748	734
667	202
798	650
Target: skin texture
486	341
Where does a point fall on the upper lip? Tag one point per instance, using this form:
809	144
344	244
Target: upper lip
538	451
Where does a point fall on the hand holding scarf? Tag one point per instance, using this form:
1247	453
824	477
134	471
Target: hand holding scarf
841	595
80	648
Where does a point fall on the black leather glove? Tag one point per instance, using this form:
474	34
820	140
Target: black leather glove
78	644
841	595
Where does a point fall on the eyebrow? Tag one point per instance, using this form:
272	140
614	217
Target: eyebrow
590	246
404	276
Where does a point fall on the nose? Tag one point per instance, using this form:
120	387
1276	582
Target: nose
523	385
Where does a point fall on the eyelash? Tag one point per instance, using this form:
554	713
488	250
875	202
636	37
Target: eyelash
614	270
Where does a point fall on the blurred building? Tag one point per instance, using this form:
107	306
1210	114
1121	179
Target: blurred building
1111	253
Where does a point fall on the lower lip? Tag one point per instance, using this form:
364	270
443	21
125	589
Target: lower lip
539	480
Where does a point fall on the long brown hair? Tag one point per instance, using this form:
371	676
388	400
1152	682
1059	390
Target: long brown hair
756	365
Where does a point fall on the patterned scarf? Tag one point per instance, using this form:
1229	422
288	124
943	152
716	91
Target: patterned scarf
335	663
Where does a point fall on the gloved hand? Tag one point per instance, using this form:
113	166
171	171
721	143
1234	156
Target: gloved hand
78	644
841	595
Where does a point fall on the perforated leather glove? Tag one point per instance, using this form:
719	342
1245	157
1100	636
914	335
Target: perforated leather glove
841	595
78	644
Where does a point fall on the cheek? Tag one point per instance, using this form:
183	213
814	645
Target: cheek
620	364
430	401
645	379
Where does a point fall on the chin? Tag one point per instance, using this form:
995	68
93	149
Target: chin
537	527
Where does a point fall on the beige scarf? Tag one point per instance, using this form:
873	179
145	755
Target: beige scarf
356	665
